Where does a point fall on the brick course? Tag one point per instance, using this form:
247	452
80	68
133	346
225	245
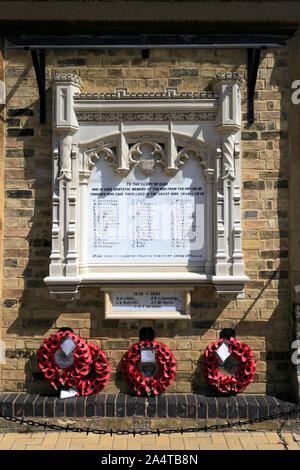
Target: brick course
122	405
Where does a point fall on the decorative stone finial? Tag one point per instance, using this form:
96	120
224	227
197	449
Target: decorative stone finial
228	76
65	77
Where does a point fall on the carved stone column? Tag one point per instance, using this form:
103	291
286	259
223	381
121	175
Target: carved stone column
229	258
209	173
64	256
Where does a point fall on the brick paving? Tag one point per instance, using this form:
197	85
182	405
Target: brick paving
197	441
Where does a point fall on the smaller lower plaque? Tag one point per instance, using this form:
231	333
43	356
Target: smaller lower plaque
149	303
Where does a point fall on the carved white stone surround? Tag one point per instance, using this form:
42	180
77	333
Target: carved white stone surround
114	126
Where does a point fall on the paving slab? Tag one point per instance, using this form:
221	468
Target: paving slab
259	440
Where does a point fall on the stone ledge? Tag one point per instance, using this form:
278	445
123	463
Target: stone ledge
163	406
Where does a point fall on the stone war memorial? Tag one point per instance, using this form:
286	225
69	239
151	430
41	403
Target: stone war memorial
149	207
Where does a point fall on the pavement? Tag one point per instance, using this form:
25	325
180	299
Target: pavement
243	440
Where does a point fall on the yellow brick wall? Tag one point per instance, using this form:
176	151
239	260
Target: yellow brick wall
2	157
261	319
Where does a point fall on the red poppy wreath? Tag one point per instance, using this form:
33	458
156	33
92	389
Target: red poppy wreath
82	369
99	373
236	382
166	368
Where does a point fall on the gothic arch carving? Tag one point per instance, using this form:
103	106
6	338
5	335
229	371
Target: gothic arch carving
168	150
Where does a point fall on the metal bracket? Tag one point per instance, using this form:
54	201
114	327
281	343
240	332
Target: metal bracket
145	53
39	68
253	64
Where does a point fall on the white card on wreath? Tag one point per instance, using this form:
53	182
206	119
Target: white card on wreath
223	352
68	346
67	393
147	355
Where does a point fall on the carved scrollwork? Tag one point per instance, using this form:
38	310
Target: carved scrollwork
66	77
146	116
147	166
187	152
232	76
65	154
228	156
92	155
136	154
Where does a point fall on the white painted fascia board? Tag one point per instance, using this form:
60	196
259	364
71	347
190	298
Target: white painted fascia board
230	279
146	105
148	316
139	277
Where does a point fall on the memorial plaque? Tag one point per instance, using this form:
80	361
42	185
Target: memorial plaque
156	219
146	191
153	300
147	302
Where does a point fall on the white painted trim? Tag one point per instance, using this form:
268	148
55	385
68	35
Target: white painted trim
2	92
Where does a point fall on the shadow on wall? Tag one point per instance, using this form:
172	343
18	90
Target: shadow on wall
267	318
277	361
275	319
278	344
36	315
